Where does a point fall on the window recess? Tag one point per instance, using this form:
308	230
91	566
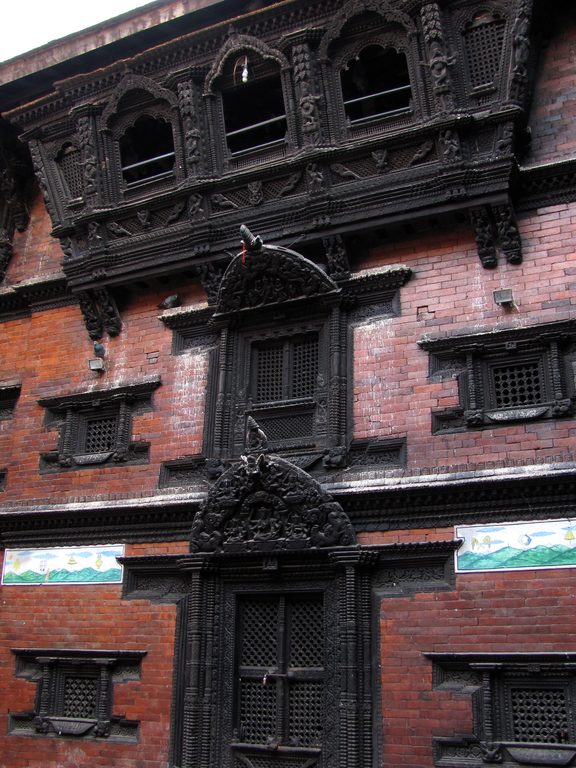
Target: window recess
523	707
506	376
254	112
147	151
74	695
376	84
96	428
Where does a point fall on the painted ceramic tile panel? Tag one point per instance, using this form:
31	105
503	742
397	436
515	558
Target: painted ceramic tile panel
63	565
517	546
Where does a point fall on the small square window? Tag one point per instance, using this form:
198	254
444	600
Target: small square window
96	428
507	376
523	707
74	692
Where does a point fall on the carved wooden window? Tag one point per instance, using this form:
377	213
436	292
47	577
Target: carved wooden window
484	44
285	368
523	706
69	162
279	677
147	150
253	106
74	694
283	386
376	83
96	428
506	377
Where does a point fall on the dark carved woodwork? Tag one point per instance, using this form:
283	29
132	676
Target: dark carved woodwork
338	266
439	60
100	313
95	427
485	236
354	189
269	275
533	365
74	693
422	501
225	597
508	234
266	503
521	703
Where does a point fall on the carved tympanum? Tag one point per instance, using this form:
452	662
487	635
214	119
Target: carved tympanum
266	503
267	274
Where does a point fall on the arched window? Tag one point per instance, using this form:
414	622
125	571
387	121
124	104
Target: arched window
376	83
147	150
253	105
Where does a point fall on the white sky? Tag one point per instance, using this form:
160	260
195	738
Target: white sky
28	24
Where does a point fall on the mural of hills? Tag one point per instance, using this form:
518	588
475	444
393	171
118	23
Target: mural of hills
83	576
510	557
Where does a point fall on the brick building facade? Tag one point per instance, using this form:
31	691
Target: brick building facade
288	323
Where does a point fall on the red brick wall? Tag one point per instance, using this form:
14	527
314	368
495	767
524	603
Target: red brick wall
449	292
95	618
489	613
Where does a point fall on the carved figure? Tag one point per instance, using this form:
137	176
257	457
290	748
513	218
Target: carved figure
256	439
451	144
338	265
315	178
380	157
508	234
423	152
484	233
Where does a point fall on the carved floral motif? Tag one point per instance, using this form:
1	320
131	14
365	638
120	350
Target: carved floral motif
266	503
269	275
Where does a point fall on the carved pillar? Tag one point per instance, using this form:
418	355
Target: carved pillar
187	101
348	622
221	420
307	92
194	675
438	58
338	383
88	131
520	52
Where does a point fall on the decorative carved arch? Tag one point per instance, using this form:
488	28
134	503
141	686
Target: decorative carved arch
387	42
136	83
266	504
269	275
236	44
355	8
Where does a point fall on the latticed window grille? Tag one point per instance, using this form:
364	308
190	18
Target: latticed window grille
70	164
540	715
80	696
280	672
517	384
101	434
483	43
286	368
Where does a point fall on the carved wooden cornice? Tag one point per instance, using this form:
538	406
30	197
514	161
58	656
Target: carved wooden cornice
410	505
